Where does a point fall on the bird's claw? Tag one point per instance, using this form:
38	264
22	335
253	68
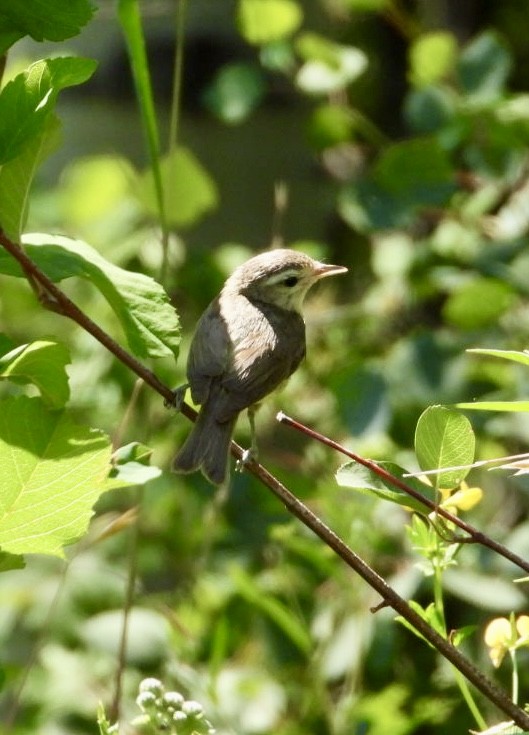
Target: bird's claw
178	398
248	456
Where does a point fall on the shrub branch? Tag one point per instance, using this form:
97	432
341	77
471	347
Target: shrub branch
51	296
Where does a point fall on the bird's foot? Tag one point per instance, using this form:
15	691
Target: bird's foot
248	456
178	398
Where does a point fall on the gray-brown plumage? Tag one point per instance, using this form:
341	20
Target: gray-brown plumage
248	341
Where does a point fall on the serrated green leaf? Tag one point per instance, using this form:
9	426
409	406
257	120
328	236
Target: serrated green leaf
52	20
53	471
444	438
27	100
16	177
42	363
149	321
360	478
267	21
189	191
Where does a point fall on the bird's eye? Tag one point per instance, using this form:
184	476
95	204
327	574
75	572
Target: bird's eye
291	281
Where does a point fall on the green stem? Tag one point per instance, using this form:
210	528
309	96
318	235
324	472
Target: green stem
460	680
469	699
130	19
515	681
176	102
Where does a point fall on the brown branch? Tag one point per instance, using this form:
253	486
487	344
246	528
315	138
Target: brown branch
475	535
389	597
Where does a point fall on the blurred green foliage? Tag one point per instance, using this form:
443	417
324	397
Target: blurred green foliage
235	604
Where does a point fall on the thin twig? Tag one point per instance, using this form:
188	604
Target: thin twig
295	506
127	607
475	535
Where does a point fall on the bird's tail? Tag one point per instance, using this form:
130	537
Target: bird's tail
206	448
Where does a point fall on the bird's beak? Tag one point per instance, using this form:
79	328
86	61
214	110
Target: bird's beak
324	269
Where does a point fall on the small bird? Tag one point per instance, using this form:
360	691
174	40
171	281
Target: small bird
248	341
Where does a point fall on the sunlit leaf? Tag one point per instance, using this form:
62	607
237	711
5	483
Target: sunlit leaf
27	100
432	56
189	190
513	355
16	177
53	20
140	303
265	21
511	406
53	471
444	438
42	363
364	480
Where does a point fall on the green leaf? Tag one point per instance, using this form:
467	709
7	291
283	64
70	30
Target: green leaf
330	125
478	303
513	355
16	177
53	20
266	21
429	614
431	57
419	169
27	100
131	466
444	438
11	561
53	471
149	321
42	363
93	187
429	109
512	406
235	92
363	480
189	191
484	67
329	67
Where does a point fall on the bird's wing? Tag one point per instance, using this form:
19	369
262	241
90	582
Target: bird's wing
261	361
209	353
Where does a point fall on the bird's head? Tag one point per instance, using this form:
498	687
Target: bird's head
280	277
